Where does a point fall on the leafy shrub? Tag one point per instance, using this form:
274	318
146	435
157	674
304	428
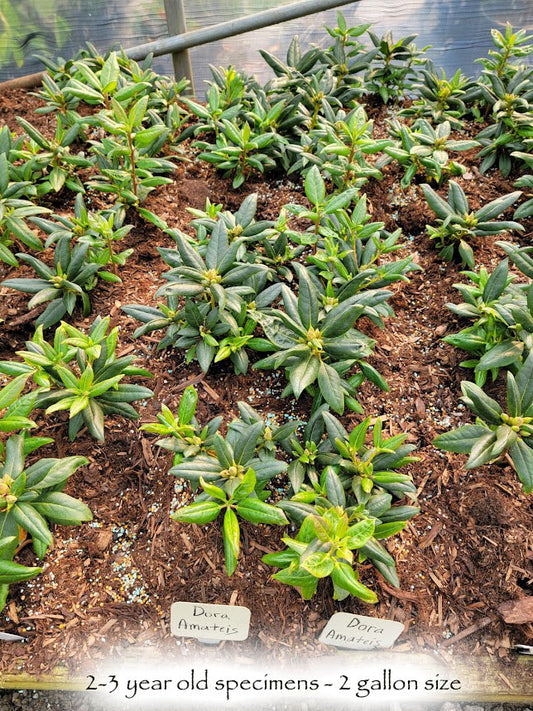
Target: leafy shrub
504	96
30	497
182	434
346	144
81	373
457	225
322	205
233	476
101	230
315	346
70	279
239	151
348	507
512	113
394	67
128	162
323	547
503	314
241	501
497	432
438	98
230	458
14	211
423	150
50	164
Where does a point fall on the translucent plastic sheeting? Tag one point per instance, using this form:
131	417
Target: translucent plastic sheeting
457	30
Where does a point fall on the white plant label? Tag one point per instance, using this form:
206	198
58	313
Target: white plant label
209	622
360	632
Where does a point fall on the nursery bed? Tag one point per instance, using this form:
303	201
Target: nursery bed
107	586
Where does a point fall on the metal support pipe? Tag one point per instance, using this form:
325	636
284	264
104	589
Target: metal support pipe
234	27
181	42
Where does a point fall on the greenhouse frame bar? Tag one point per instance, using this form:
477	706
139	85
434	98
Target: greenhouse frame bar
177	45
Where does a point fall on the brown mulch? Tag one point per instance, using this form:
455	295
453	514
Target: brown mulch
107	587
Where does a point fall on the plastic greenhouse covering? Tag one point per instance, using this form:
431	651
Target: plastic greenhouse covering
457	30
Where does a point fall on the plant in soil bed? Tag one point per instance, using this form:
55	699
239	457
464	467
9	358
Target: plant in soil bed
101	230
241	502
128	162
324	547
358	482
231	457
423	150
352	248
30	497
318	346
502	333
98	85
50	164
182	434
458	225
198	450
496	432
225	101
322	205
507	138
362	469
346	145
438	98
70	278
504	95
232	473
394	67
347	58
14	211
239	225
221	279
222	297
81	373
239	151
508	47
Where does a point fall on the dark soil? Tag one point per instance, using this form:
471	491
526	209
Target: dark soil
107	587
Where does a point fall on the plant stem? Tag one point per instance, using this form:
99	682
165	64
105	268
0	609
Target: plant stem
132	160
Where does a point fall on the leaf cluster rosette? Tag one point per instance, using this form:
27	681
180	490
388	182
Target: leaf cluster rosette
502	333
498	432
315	346
458	225
81	373
61	285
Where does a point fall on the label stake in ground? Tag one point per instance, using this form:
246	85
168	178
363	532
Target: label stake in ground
359	632
209	622
7	637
